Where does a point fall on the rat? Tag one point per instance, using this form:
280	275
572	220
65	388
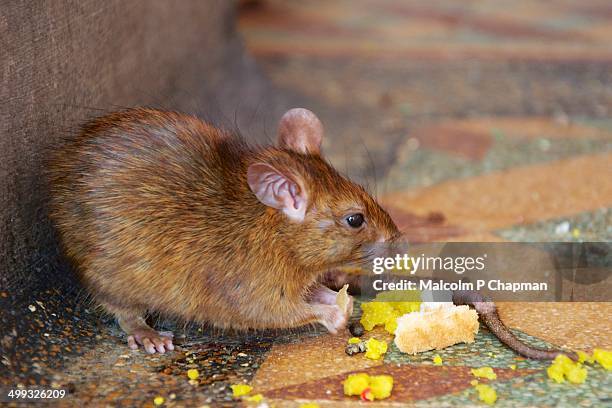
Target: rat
162	212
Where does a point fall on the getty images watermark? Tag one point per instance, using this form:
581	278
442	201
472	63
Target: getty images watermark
458	265
502	271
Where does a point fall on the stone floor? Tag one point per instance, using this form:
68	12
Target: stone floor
493	116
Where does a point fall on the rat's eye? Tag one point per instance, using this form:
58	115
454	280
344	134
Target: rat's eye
355	220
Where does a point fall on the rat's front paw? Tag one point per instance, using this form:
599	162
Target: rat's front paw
151	340
325	296
332	317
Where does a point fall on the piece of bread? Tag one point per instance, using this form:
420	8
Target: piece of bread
342	298
436	329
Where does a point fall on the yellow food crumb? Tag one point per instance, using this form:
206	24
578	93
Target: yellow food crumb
254	398
381	386
376	313
193	374
603	357
576	374
585	357
474	382
375	348
555	372
159	401
563	368
238	390
563	360
309	405
484	372
354	340
407	307
391	323
374	387
437	360
513	366
486	393
355	384
385	309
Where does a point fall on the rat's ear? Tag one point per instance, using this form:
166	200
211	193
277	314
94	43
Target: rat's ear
300	130
277	190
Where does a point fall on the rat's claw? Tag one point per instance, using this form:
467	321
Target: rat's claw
167	337
159	345
132	343
151	340
148	345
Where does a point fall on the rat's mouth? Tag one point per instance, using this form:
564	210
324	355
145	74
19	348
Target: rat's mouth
336	278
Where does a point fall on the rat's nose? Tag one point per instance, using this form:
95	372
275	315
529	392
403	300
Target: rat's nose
389	247
390	238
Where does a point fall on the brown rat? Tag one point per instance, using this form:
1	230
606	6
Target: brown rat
163	212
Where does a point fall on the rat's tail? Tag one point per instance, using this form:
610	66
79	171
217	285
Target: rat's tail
488	313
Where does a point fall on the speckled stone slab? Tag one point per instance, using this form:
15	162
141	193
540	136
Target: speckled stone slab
517	196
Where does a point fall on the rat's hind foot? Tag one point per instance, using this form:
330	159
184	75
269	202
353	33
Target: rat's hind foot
131	320
140	333
151	340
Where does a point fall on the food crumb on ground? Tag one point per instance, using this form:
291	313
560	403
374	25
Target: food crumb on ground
484	372
486	393
375	348
603	357
355	384
563	368
238	390
381	386
193	374
254	398
584	357
368	387
356	329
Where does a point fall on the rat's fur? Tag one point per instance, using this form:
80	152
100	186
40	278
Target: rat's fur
155	210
